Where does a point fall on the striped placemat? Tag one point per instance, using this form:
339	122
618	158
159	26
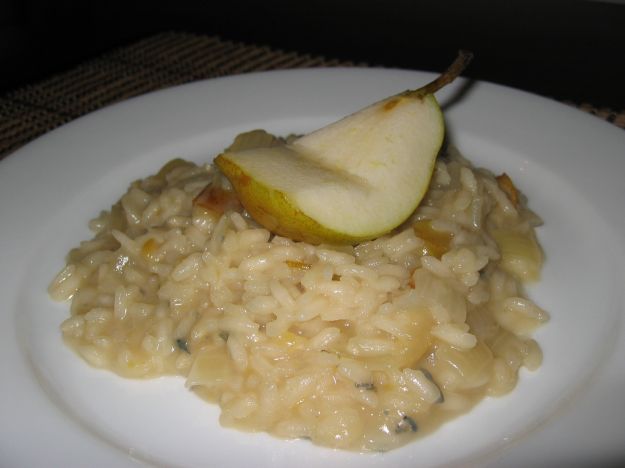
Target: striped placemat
157	62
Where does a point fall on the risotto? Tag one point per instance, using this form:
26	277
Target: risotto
360	347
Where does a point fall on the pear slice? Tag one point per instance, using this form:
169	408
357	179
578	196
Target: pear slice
353	180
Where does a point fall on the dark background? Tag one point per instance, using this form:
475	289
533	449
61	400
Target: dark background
569	50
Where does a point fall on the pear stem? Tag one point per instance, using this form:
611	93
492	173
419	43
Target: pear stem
455	69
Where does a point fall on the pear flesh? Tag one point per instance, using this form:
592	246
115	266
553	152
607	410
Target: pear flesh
353	180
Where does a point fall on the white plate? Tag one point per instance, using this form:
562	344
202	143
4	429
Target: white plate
56	411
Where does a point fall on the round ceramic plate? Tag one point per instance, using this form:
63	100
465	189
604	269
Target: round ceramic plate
57	411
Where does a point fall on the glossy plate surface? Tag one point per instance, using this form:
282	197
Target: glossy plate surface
56	411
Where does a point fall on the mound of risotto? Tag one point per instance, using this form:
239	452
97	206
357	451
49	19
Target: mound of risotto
360	347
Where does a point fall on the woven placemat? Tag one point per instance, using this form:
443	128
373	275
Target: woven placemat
154	63
157	62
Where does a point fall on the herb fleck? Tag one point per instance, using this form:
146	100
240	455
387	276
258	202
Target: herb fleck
407	424
428	375
182	345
